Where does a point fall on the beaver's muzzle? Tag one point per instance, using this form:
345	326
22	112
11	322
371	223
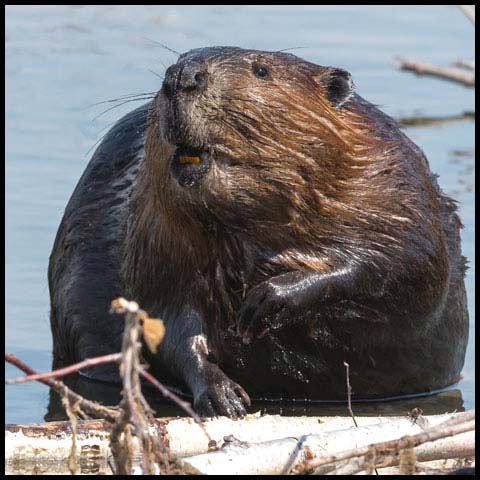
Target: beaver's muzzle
189	76
183	81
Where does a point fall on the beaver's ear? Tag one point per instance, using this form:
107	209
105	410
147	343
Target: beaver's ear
338	85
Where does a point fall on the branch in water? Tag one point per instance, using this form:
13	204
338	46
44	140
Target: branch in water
61	372
452	74
94	408
419	121
468	64
468	11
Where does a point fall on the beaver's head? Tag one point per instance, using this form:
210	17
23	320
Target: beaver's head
245	129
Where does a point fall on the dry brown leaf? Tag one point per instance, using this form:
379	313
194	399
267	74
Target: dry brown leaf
153	333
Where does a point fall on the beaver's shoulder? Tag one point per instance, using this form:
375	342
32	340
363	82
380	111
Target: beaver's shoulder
85	259
106	182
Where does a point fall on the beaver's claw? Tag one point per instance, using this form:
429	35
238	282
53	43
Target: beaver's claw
265	308
221	396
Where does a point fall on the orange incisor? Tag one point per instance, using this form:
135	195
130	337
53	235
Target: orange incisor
186	159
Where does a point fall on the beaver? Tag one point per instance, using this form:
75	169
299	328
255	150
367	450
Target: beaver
279	224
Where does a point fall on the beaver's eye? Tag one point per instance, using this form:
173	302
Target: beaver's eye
260	71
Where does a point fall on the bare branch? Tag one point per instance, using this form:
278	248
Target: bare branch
468	11
109	414
61	372
72	415
452	74
459	424
419	121
182	404
468	64
349	393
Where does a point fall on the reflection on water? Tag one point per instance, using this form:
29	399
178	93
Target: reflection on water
423	121
464	160
62	59
448	400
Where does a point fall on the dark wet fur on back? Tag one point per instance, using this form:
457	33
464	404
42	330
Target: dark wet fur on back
84	266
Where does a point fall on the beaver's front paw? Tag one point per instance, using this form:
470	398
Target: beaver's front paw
220	396
267	307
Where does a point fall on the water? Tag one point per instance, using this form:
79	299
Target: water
62	59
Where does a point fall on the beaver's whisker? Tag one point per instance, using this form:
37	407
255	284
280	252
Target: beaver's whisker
95	144
291	48
133	97
119	105
156	74
146	125
164	65
162	45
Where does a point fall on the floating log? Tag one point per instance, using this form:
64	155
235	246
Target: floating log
282	456
182	435
256	444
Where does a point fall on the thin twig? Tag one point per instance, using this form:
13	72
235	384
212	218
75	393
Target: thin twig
61	372
349	393
136	414
72	416
132	412
349	397
98	410
120	305
182	404
468	64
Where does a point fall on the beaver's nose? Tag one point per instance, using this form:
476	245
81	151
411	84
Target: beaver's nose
191	76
